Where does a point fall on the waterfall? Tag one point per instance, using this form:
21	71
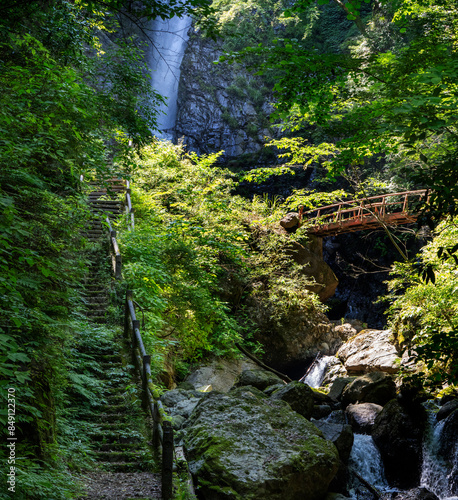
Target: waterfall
365	460
438	475
317	371
169	38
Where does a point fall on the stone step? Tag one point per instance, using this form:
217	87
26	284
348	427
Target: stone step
125	466
124	456
117	446
113	358
110	436
98	299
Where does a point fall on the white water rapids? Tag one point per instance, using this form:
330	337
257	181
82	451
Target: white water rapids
365	459
169	39
438	475
317	371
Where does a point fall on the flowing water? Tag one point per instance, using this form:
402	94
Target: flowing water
438	475
365	459
317	371
169	41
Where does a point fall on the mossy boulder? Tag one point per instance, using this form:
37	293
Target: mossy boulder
299	396
375	387
261	379
243	445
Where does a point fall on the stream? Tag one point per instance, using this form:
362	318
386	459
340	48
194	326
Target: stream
439	475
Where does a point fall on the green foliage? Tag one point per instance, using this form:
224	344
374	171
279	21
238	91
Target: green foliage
173	256
199	253
386	94
424	307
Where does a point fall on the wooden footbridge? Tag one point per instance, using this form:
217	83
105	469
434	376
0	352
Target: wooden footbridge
368	213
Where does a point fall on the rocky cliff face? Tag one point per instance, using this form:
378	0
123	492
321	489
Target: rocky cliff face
220	106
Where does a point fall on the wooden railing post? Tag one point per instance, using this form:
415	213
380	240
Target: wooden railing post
167	461
129	295
135	325
146	375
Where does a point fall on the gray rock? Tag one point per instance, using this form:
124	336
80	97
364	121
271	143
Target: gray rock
244	447
290	220
261	379
338	386
415	494
173	397
370	350
362	416
447	409
272	388
299	396
375	387
398	433
220	374
340	435
215	111
179	404
321	411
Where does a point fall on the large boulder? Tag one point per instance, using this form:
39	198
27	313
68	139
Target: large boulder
179	404
220	374
339	434
261	379
375	387
338	386
298	395
398	433
362	416
242	446
290	220
370	350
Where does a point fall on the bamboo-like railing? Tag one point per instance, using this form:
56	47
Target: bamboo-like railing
162	429
367	213
115	252
129	210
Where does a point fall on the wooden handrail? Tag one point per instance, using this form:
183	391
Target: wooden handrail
162	428
129	209
116	254
418	192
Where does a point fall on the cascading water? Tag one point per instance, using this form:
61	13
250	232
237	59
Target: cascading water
317	371
438	475
169	38
366	461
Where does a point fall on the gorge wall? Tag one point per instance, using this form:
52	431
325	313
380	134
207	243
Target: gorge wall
221	106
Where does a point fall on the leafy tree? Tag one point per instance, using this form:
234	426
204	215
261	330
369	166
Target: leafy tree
72	98
374	99
424	308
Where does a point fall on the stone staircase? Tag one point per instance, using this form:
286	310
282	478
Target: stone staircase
103	203
117	428
117	424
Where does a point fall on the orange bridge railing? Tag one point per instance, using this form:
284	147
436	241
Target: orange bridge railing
368	213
